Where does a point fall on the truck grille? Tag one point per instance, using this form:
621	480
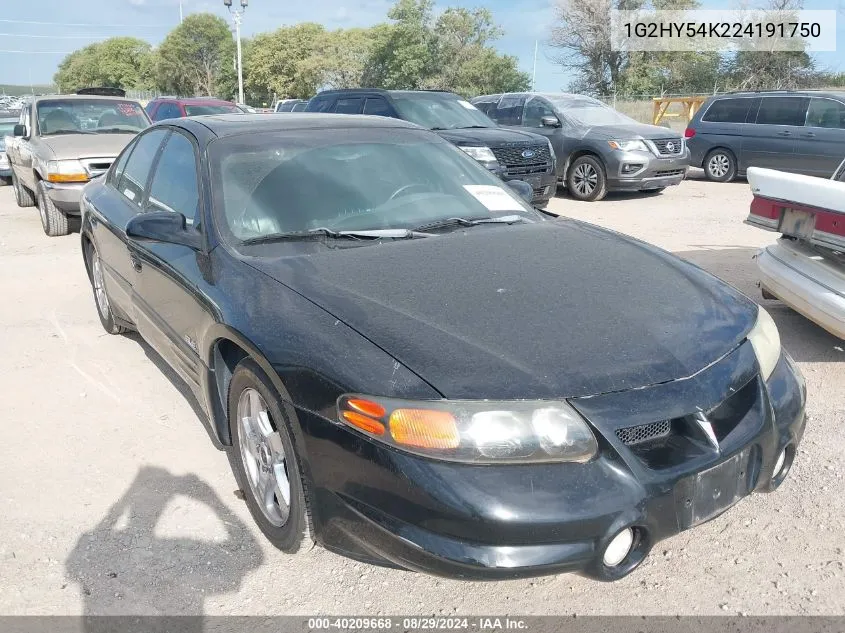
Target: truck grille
662	146
96	166
511	157
644	432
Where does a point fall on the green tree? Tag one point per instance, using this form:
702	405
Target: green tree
118	62
197	58
77	70
287	62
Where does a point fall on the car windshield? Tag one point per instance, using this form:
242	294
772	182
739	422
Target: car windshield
437	112
221	108
96	116
591	112
357	179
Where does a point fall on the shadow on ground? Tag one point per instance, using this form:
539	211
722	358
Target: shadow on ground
802	338
166	546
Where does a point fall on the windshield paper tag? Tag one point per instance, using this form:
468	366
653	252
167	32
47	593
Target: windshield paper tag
467	104
494	198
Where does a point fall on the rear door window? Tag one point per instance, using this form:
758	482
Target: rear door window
782	111
120	165
299	107
137	172
826	113
509	110
376	106
727	111
351	105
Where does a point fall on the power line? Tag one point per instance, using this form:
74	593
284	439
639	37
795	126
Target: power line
53	37
37	52
115	26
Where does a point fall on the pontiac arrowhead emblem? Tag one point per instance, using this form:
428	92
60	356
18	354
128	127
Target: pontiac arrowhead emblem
706	426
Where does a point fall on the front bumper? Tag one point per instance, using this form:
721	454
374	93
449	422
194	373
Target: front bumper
543	184
809	284
386	507
65	196
642	171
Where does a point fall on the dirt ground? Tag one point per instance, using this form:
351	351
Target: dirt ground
115	501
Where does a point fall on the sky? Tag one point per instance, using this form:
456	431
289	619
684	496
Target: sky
36	35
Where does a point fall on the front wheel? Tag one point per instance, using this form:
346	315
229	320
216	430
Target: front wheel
264	458
101	297
585	179
720	165
53	219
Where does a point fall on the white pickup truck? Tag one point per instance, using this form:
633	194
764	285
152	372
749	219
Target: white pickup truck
805	268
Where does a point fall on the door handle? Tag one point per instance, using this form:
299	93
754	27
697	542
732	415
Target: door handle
785	133
810	134
136	263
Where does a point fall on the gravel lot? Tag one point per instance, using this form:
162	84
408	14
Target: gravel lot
115	501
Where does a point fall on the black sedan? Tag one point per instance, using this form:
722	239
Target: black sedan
412	365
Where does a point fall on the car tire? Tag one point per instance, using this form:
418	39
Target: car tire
264	459
98	287
720	165
586	180
23	196
6	181
53	219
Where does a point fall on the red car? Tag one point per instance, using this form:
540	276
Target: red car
175	107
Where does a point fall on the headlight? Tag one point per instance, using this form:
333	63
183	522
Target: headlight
629	146
552	152
765	340
481	154
66	171
474	431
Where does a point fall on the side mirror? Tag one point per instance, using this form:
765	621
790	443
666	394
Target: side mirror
163	226
525	191
550	121
20	130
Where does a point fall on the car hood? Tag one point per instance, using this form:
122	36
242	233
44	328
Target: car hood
490	136
631	131
547	310
66	146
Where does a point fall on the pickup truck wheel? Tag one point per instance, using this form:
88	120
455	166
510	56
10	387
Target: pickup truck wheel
53	219
720	165
101	296
586	180
23	196
5	181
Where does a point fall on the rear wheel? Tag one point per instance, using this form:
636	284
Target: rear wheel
53	219
5	181
586	180
23	196
264	458
720	165
101	297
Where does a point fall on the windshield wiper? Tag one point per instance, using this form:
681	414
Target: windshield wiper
68	132
374	234
505	219
474	127
115	130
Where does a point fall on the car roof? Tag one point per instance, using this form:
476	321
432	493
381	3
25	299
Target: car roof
556	96
343	91
782	93
223	125
196	100
75	97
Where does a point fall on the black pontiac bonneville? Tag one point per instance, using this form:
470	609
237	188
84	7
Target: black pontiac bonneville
409	363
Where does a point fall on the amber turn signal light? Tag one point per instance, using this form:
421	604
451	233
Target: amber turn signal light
424	428
361	421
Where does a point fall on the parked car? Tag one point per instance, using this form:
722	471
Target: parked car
598	149
806	267
510	154
7	128
291	105
175	107
62	142
363	314
798	132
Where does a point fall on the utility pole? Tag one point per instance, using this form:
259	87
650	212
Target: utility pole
534	73
181	17
237	16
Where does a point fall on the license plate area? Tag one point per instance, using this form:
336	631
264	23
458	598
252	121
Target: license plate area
710	492
797	223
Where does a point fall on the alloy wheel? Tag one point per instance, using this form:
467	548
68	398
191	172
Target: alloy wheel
719	165
263	456
100	286
584	179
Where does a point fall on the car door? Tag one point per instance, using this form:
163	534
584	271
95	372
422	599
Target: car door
535	110
167	302
771	141
821	144
23	147
118	202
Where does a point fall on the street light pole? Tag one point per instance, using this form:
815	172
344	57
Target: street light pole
237	16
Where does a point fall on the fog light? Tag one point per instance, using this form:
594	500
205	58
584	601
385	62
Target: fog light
779	464
630	168
619	548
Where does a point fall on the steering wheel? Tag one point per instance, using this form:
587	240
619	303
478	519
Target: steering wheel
401	191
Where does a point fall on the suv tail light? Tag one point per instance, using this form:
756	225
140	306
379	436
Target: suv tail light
689	132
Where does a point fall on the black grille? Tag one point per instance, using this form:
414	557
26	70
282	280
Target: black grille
662	146
644	432
511	155
669	172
